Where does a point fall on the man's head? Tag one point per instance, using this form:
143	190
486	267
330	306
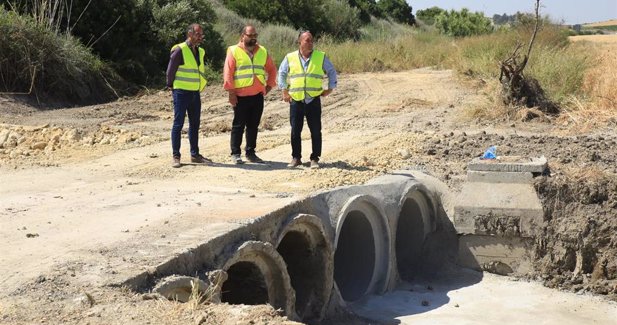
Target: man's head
249	36
195	34
305	40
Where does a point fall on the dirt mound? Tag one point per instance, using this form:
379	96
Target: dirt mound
577	248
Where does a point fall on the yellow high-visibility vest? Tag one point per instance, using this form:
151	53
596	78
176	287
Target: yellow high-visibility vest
247	68
190	76
305	82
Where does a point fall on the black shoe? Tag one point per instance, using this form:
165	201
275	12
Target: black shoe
254	159
199	159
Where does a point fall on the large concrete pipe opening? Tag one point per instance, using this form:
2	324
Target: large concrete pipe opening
245	285
256	274
414	222
361	255
307	253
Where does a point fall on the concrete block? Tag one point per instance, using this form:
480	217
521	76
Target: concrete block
509	164
515	209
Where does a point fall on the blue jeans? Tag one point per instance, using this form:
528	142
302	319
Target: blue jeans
297	112
186	102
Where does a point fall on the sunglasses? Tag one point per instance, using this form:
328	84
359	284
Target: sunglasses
252	35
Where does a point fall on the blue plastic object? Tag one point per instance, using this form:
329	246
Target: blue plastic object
490	153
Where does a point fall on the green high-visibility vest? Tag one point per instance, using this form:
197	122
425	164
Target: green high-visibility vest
305	82
247	68
190	76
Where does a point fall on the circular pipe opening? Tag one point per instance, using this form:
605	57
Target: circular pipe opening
409	239
354	259
245	285
305	266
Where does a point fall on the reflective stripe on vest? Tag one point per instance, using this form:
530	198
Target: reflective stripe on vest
189	76
247	68
305	82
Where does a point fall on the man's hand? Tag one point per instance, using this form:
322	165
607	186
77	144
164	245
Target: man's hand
233	99
286	96
268	88
326	92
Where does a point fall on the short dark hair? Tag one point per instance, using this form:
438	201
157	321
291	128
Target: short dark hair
243	31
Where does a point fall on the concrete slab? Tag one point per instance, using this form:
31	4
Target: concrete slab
466	298
509	164
499	177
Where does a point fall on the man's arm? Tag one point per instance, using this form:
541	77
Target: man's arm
228	77
175	60
332	77
271	71
282	79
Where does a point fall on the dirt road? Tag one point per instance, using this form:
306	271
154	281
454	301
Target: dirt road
89	195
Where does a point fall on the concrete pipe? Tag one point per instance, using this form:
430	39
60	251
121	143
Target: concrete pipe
307	252
257	275
362	248
415	221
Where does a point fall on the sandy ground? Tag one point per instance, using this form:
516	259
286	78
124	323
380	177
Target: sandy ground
89	196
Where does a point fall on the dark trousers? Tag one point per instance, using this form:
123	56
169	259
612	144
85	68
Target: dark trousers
247	114
297	112
186	102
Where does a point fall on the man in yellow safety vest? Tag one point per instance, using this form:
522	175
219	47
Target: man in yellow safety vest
300	77
249	74
185	77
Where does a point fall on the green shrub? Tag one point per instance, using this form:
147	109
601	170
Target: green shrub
342	21
382	29
62	68
463	23
428	15
399	10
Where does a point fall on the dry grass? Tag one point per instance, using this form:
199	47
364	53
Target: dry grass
612	22
600	106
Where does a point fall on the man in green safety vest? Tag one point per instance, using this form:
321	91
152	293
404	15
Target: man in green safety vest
249	74
300	77
186	79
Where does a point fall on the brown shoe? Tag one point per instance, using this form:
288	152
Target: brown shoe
314	164
294	163
176	162
199	159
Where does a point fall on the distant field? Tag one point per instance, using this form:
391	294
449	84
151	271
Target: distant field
595	38
603	23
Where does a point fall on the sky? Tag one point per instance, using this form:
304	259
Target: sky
569	11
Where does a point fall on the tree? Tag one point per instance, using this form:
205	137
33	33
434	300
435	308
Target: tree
135	36
463	23
428	15
399	10
266	11
367	9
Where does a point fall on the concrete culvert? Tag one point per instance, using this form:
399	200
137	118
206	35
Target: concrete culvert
362	249
308	256
413	224
256	274
182	288
245	285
